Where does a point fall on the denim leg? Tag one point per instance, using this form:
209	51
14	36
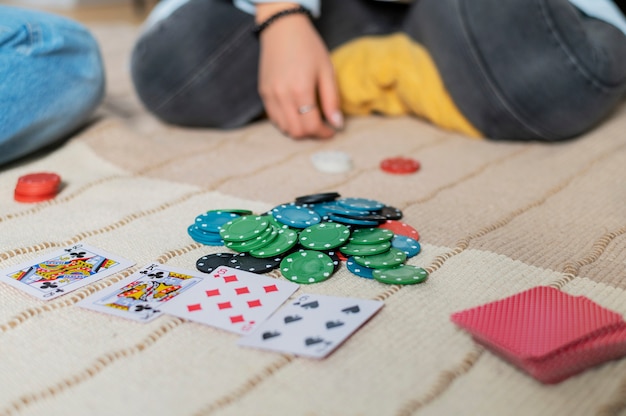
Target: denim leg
51	80
199	65
524	69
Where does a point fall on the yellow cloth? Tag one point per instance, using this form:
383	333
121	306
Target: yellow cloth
393	75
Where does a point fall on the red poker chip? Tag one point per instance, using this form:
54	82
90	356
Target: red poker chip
341	256
401	228
400	165
36	187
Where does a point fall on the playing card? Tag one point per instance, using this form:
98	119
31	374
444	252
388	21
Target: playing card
312	325
594	351
536	322
565	363
141	296
548	333
63	271
232	299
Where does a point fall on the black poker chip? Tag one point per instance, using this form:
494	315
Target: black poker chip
365	217
391	213
317	198
248	263
335	257
210	262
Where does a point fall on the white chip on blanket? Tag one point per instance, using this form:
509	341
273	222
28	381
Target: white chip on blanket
332	161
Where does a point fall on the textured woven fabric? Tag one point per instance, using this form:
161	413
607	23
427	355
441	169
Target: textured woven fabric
494	218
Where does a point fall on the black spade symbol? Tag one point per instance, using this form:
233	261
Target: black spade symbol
352	309
270	334
333	324
313	341
292	318
310	305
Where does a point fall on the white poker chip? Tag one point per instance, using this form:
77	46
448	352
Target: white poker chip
332	161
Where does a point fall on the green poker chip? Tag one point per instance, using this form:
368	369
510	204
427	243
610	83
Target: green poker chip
324	236
352	249
404	274
371	236
265	238
285	240
276	223
307	266
387	260
244	228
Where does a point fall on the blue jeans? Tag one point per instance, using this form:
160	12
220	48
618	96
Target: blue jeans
516	69
51	80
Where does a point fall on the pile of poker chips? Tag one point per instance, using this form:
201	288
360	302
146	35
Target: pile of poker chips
306	239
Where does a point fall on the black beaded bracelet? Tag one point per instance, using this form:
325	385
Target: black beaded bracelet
296	10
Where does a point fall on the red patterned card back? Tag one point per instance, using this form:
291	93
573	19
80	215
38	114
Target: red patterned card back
537	322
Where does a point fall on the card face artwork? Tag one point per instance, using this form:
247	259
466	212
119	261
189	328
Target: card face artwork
232	299
313	325
63	271
141	296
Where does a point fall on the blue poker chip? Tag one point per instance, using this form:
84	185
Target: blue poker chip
207	235
208	242
204	237
365	217
352	221
356	269
408	245
212	221
296	216
361	204
327	208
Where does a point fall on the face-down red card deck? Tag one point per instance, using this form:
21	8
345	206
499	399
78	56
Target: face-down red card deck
547	333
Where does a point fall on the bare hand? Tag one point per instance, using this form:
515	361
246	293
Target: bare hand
296	77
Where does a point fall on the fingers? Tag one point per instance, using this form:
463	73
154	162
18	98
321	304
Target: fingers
293	65
329	97
309	122
283	109
313	125
274	112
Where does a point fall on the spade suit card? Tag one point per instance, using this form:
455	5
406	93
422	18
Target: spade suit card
232	299
141	296
312	325
63	270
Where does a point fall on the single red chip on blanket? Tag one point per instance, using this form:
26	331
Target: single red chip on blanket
36	187
400	165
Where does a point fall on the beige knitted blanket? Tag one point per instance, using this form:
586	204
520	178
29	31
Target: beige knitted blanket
494	219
